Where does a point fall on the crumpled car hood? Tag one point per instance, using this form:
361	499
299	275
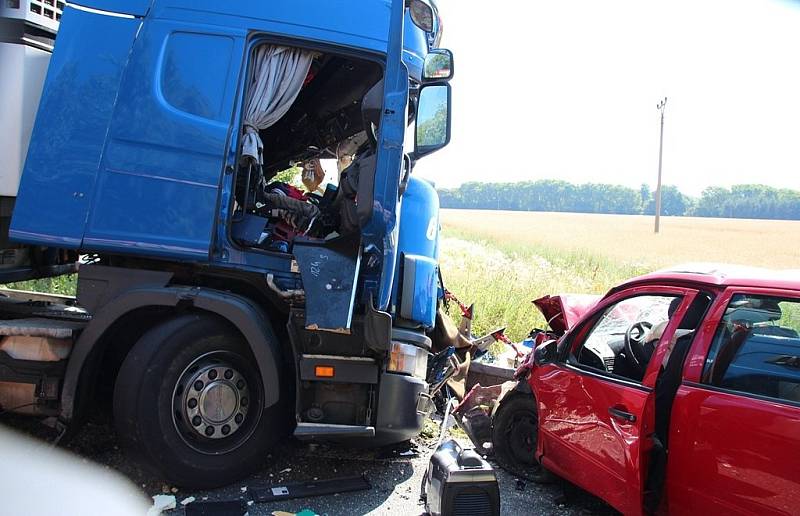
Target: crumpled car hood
562	311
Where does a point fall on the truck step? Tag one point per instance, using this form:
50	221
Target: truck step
313	430
40	327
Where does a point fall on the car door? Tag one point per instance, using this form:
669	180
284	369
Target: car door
595	417
735	430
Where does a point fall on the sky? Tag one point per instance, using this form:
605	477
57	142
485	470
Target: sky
567	89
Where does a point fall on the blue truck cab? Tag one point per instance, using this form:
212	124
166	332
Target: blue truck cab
222	309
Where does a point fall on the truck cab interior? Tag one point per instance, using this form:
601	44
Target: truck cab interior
314	115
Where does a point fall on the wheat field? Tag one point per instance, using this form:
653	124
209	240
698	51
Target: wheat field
501	260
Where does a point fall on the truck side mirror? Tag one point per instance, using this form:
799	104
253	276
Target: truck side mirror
545	352
438	65
432	131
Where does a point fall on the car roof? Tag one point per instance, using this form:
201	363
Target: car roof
721	275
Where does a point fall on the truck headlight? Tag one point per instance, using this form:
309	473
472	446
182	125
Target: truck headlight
408	359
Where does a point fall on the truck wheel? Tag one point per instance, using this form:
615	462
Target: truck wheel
515	429
188	401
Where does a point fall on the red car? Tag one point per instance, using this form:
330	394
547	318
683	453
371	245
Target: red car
678	392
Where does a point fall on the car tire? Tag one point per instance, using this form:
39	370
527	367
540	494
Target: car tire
514	435
188	403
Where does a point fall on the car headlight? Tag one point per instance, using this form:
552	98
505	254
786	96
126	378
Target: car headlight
408	359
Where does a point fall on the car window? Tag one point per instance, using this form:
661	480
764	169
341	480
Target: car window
642	320
756	348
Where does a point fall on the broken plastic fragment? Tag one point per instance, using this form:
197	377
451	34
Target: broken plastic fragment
286	470
161	503
187	501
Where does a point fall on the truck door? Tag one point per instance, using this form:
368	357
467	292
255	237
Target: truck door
158	182
323	265
596	407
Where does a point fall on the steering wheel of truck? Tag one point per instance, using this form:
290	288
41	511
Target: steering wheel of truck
634	345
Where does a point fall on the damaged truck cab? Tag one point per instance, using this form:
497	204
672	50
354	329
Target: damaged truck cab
218	307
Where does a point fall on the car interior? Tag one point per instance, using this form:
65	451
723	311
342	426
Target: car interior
756	348
624	337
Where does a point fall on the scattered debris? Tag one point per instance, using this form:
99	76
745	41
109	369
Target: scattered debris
228	508
474	413
285	470
187	501
161	503
306	489
243	489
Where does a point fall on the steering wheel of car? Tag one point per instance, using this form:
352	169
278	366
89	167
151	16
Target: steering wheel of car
634	345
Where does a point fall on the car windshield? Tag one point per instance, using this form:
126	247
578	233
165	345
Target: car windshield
619	317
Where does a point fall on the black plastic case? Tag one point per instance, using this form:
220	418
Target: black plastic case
460	483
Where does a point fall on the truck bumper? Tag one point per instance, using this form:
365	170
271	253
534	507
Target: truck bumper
403	405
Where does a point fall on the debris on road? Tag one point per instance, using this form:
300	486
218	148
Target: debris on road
228	508
161	503
187	501
308	489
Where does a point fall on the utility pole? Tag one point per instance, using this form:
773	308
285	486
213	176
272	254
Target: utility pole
661	107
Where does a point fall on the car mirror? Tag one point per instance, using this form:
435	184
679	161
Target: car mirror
438	65
432	131
545	352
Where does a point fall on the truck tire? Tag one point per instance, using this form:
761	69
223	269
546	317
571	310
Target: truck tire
188	403
515	428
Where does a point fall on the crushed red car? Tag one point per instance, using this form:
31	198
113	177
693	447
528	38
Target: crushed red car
676	393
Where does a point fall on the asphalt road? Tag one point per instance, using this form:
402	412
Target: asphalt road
395	480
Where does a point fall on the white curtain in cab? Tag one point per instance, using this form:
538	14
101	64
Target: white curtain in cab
278	76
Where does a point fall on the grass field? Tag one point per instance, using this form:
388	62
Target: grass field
502	260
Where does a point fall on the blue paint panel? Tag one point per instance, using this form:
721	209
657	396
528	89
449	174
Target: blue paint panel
425	279
381	231
355	23
170	230
132	7
351	23
159	181
72	121
194	73
419	233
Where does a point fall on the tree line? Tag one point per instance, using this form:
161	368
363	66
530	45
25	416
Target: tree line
739	201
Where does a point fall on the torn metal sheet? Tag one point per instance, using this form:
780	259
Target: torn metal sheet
564	310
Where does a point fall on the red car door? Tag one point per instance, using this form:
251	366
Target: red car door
735	429
595	416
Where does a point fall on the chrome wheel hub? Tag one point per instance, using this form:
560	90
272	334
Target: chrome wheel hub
213	399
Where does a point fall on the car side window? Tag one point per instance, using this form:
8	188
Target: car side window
756	348
623	338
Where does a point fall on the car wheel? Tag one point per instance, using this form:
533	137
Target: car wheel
514	435
188	402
